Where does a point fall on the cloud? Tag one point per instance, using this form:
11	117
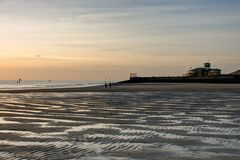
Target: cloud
38	56
118	32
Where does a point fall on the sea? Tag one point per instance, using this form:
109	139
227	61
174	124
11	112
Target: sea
41	84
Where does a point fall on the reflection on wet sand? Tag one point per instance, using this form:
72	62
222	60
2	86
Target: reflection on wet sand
120	126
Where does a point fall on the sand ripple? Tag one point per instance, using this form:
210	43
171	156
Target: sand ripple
120	126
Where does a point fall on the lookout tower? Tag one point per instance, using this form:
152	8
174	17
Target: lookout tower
207	65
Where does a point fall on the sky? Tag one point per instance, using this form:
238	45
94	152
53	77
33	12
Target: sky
92	39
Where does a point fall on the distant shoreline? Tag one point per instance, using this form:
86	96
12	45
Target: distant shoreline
141	87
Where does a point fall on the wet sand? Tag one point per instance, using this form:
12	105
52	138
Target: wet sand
143	87
120	125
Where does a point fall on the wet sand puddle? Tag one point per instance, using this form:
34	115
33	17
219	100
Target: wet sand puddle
120	126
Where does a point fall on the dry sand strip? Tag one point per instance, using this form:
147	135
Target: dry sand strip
143	87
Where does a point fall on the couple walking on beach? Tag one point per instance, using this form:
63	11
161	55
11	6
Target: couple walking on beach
109	84
106	85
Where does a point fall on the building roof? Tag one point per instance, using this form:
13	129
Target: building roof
205	69
216	69
201	68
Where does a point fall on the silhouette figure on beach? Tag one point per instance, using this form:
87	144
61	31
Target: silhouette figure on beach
19	81
105	85
108	84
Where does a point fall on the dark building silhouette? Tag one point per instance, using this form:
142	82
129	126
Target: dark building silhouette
205	71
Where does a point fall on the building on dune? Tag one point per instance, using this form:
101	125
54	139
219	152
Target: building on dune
205	71
204	74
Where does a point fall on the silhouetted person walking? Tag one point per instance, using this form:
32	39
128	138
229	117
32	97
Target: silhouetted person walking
105	85
109	83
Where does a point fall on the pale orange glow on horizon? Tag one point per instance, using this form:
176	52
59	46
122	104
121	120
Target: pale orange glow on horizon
83	40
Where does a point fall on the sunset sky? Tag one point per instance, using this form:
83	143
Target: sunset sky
91	39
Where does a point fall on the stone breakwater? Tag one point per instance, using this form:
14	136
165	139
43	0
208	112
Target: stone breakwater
120	126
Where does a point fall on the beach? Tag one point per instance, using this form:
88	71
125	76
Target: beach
119	80
125	122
